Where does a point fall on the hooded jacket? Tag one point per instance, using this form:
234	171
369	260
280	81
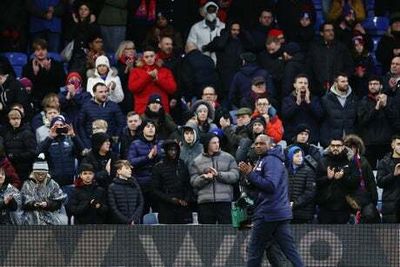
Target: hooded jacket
270	180
190	151
340	114
116	95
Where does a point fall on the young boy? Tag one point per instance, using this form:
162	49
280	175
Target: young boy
124	196
89	202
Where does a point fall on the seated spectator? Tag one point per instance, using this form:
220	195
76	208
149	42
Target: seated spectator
387	179
274	127
50	101
103	73
61	148
11	92
301	107
102	159
19	144
341	8
377	118
124	196
389	44
147	79
302	188
72	98
129	133
89	201
339	110
42	198
10	200
203	117
126	57
47	75
365	198
163	121
99	107
214	182
171	186
337	177
143	154
190	143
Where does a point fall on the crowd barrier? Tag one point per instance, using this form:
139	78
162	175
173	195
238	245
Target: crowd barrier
190	245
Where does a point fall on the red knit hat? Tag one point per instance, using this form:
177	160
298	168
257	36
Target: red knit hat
74	74
275	33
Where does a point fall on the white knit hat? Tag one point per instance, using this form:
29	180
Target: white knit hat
102	60
40	164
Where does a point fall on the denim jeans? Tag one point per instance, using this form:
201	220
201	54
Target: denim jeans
263	233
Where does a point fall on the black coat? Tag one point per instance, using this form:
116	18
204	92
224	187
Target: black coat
331	193
376	126
302	190
83	210
384	51
125	201
391	189
11	92
20	147
337	119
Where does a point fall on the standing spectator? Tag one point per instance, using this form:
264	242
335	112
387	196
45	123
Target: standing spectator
112	20
171	186
301	139
204	115
49	102
46	74
260	31
272	212
305	31
124	196
89	201
391	80
103	73
100	108
73	97
207	29
143	154
190	144
96	49
10	200
8	168
389	45
42	198
340	110
129	133
43	131
213	175
336	178
147	79
13	30
125	57
327	57
45	21
387	179
102	159
19	144
302	187
301	107
377	116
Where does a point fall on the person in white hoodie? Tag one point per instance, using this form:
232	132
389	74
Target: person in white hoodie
107	75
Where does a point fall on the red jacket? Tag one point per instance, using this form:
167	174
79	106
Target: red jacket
142	85
274	128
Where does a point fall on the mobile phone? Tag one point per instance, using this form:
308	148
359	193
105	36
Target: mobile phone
62	130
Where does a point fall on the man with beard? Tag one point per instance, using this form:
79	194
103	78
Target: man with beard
163	121
129	133
301	107
340	110
171	186
389	45
337	177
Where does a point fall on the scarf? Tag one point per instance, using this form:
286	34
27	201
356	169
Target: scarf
146	11
362	185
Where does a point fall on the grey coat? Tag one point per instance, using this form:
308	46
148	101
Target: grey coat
221	188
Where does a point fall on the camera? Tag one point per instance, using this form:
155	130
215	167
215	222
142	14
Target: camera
62	130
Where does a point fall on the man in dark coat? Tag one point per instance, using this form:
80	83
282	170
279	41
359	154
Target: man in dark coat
336	178
171	186
388	179
389	44
327	57
340	110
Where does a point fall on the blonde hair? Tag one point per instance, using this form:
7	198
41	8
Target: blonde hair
121	48
121	163
99	126
14	114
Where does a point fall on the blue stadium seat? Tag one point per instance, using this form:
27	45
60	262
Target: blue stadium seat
376	25
17	60
375	41
317	4
319	20
150	218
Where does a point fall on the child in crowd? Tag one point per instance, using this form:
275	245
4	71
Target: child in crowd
10	200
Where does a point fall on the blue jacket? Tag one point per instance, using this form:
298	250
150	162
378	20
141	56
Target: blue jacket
108	111
270	178
142	165
38	8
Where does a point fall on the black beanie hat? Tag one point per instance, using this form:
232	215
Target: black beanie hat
302	128
98	140
85	167
205	140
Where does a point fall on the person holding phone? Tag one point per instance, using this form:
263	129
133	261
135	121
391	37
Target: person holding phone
61	148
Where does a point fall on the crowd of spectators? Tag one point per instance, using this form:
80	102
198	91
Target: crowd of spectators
157	102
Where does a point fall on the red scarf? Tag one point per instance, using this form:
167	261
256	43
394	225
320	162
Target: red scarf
146	12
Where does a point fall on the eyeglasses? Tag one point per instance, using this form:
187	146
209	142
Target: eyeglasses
262	104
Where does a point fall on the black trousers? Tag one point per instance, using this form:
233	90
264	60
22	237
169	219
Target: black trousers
174	214
333	217
215	212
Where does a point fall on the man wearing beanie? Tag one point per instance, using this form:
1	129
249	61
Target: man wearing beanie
143	154
42	198
213	175
89	201
62	147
